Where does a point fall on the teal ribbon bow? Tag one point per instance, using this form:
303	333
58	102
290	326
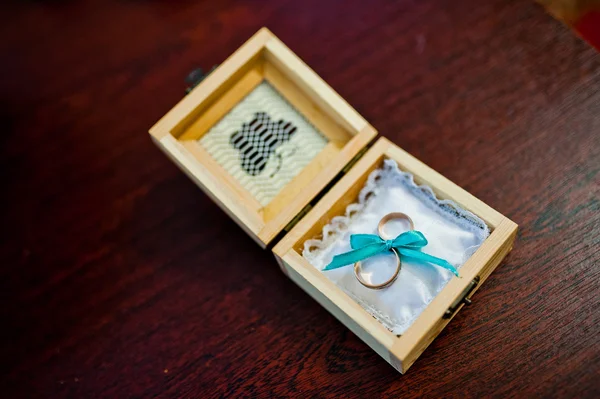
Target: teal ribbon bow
408	244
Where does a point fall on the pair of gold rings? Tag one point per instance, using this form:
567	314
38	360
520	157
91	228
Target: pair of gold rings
383	235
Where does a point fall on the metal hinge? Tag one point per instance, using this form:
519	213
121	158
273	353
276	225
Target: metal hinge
297	218
194	78
356	158
462	298
326	189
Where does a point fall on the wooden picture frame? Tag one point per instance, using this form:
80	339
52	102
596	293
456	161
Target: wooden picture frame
262	58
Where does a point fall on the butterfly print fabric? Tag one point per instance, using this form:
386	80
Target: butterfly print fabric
258	140
263	143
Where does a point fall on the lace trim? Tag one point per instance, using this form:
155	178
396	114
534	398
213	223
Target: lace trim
447	208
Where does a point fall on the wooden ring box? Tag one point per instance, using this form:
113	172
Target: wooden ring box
322	190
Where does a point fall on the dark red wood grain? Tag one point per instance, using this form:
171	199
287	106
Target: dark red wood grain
119	278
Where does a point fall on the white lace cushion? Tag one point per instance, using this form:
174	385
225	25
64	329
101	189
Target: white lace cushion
453	234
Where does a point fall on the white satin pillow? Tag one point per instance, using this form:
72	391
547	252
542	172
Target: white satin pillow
453	234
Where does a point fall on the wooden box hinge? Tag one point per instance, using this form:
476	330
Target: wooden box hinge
297	218
462	298
354	160
328	187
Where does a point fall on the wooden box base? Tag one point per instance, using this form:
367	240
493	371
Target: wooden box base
399	351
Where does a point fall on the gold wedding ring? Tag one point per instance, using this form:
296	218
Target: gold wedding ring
384	284
392	216
381	231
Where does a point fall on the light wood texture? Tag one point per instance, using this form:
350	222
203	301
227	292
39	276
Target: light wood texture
213	87
223	104
212	168
254	62
323	122
335	202
310	83
303	197
295	187
404	350
214	187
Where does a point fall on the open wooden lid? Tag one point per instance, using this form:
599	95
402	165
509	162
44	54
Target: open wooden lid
263	58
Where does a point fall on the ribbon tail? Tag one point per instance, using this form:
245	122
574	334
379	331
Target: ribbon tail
421	256
354	256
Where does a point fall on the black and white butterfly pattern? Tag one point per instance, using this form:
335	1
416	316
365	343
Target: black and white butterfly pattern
258	140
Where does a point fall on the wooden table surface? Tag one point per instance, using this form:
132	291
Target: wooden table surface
119	278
